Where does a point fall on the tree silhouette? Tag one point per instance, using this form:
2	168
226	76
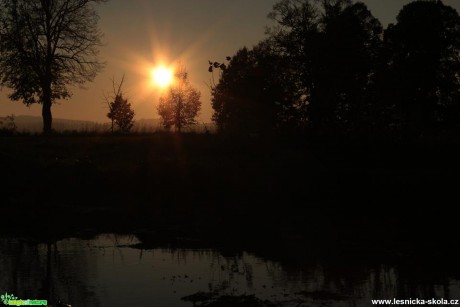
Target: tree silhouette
8	125
120	111
121	114
330	49
250	96
180	104
421	85
46	46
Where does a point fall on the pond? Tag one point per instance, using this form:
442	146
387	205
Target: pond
117	270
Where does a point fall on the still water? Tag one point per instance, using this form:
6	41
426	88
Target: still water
111	270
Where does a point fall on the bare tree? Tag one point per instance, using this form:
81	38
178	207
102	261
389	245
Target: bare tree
45	46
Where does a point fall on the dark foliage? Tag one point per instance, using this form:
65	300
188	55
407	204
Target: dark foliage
121	113
251	95
332	48
420	83
328	67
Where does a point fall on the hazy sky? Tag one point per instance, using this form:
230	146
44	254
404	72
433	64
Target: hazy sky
140	33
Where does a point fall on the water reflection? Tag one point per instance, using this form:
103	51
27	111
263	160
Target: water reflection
109	271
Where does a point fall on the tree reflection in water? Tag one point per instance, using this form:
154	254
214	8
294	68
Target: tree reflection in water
114	270
32	270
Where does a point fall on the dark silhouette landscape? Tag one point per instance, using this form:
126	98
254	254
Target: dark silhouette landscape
332	161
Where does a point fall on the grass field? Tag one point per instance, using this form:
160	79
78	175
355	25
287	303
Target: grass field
211	188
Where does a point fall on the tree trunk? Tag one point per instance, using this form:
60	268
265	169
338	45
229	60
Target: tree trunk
178	115
46	110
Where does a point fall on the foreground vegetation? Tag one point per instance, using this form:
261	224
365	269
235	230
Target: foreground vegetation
234	193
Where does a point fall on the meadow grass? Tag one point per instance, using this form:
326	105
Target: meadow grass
224	188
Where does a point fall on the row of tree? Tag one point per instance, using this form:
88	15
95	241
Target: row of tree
328	67
48	45
178	106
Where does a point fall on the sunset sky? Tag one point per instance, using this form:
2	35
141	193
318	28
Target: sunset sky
139	34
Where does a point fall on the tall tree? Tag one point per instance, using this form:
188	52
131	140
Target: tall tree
296	35
331	46
180	104
45	46
349	50
421	84
250	96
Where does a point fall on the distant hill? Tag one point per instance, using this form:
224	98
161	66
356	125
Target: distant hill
147	125
27	123
154	124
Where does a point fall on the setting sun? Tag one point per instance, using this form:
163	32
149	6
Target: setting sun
162	76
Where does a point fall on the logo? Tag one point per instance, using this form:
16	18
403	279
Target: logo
11	300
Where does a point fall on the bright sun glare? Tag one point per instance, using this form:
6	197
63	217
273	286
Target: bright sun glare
162	76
